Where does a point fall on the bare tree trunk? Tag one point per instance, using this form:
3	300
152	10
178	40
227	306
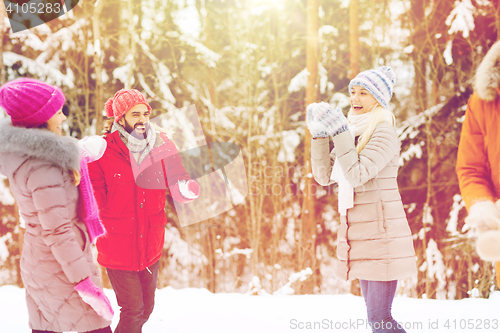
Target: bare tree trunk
354	37
99	88
307	250
278	204
133	45
85	7
208	43
419	57
497	272
211	260
427	206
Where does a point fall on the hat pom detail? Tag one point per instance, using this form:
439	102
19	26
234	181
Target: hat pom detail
109	108
389	72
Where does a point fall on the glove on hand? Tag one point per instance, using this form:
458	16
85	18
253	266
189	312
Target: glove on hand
485	217
94	296
334	120
317	129
185	191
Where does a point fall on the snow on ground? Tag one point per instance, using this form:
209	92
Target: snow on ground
198	310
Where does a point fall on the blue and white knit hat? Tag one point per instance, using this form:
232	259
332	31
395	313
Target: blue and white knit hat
379	83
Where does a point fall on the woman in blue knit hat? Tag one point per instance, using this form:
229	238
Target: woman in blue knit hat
374	239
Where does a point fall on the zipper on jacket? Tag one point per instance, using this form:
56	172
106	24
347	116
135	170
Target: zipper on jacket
349	246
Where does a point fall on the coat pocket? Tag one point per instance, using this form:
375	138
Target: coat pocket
125	226
156	234
120	196
118	247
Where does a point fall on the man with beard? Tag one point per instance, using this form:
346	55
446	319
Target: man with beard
130	183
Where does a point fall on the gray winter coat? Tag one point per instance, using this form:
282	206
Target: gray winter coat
56	250
375	241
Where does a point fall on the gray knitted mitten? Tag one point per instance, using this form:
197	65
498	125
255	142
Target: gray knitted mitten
317	129
333	121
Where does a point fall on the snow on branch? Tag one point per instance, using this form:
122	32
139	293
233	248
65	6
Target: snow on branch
4	251
435	268
287	289
6	197
299	81
209	57
410	129
235	251
452	224
44	71
461	18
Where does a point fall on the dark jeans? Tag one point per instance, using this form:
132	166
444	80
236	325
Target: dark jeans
135	294
378	297
100	330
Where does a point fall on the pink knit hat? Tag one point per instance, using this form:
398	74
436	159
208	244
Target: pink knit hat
124	100
30	102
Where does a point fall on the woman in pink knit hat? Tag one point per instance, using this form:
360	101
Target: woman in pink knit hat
49	179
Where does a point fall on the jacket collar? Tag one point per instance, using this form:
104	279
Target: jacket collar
62	151
487	80
163	148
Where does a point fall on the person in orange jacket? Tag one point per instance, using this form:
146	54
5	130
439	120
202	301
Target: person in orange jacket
478	161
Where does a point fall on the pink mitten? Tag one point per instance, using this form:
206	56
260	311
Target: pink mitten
185	191
94	297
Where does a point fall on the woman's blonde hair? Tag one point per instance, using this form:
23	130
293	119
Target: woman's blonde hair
75	176
377	115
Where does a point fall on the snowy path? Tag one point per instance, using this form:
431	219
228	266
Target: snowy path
197	310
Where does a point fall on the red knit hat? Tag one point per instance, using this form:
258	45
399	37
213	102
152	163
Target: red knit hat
124	100
30	102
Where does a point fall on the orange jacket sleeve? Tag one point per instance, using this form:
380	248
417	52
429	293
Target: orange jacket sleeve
473	170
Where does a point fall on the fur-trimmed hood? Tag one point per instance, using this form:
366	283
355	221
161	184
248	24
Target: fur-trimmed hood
487	80
39	143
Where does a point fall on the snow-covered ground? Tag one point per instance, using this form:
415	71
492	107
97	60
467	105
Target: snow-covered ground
197	310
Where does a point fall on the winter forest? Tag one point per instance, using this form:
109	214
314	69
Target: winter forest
251	67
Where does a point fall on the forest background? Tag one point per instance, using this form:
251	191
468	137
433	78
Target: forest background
250	67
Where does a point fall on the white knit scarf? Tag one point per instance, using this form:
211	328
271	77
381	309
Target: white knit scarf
357	125
135	145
